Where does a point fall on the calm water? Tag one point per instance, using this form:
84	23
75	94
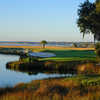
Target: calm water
11	78
35	44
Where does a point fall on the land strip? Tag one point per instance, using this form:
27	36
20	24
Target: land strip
48	47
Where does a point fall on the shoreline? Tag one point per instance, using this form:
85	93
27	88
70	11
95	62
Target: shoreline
73	88
48	47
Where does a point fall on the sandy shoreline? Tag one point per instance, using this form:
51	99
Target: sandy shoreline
48	47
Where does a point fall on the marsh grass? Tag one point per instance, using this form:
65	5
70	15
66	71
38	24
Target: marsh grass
55	89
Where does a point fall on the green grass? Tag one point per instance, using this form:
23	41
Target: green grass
86	80
69	55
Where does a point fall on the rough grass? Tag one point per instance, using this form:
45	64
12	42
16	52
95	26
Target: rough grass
75	88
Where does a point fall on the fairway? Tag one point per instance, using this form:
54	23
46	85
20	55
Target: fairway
69	55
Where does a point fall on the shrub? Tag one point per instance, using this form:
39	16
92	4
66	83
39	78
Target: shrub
74	45
97	45
87	68
98	52
91	46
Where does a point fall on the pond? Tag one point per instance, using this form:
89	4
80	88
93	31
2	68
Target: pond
11	78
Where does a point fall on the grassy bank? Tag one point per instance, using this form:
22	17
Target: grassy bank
64	62
76	88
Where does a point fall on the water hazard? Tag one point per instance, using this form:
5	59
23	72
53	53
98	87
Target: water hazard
11	78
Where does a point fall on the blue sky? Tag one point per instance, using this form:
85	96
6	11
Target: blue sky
36	20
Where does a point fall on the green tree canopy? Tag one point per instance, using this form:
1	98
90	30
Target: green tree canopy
89	18
98	6
43	42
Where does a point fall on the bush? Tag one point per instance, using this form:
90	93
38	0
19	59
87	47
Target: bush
97	45
74	45
87	68
98	52
91	46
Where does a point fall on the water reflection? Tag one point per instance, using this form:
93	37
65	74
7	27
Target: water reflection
33	66
10	77
35	72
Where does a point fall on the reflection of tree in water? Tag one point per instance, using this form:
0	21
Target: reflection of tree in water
35	72
32	66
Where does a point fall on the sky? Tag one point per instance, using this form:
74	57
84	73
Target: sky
36	20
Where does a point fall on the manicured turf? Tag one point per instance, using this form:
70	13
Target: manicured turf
69	55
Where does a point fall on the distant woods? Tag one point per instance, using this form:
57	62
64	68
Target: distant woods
89	18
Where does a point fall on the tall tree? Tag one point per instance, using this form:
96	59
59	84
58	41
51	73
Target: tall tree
43	42
98	6
89	18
